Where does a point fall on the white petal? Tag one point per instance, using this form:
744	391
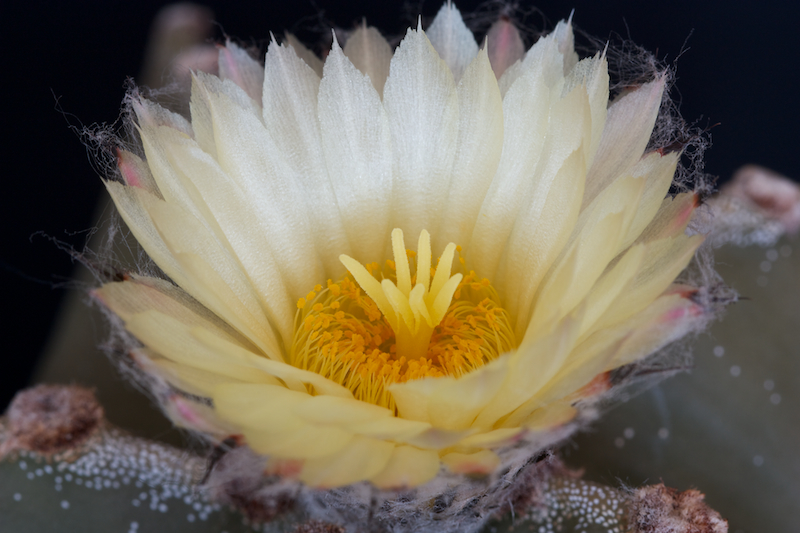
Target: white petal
452	39
530	162
545	57
236	65
455	404
593	73
594	244
505	45
362	459
309	57
140	293
136	173
480	143
290	115
529	368
371	54
357	146
222	294
151	115
566	44
216	278
408	467
130	208
225	207
663	260
627	131
538	238
422	106
174	339
658	170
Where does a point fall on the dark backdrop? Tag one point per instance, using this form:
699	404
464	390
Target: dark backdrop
66	64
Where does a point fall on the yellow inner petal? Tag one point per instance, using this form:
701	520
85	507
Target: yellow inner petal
383	325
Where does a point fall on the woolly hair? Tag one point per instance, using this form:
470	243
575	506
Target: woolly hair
449	503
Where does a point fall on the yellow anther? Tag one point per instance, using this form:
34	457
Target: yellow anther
301	303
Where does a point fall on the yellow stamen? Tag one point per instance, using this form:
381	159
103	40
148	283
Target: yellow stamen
443	325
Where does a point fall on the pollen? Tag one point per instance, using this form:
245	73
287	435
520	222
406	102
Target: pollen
430	324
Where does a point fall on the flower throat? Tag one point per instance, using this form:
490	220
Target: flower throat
381	325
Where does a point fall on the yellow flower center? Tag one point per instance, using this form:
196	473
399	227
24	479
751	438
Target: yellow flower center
380	325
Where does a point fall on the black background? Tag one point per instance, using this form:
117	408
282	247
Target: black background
65	64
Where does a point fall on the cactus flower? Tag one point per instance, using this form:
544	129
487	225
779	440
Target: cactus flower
400	264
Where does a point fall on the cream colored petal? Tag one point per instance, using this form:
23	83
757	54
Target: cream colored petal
197	381
566	43
393	428
407	467
454	405
307	442
480	143
595	242
202	121
583	364
538	238
170	185
592	72
422	106
658	170
554	414
266	415
290	116
611	284
438	439
672	217
412	397
483	462
640	335
574	276
504	45
337	411
265	407
492	439
140	293
136	173
544	57
174	340
529	163
193	411
627	131
230	298
216	278
671	320
309	57
287	373
133	212
251	186
662	261
151	115
361	459
371	54
235	64
358	151
530	368
452	39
